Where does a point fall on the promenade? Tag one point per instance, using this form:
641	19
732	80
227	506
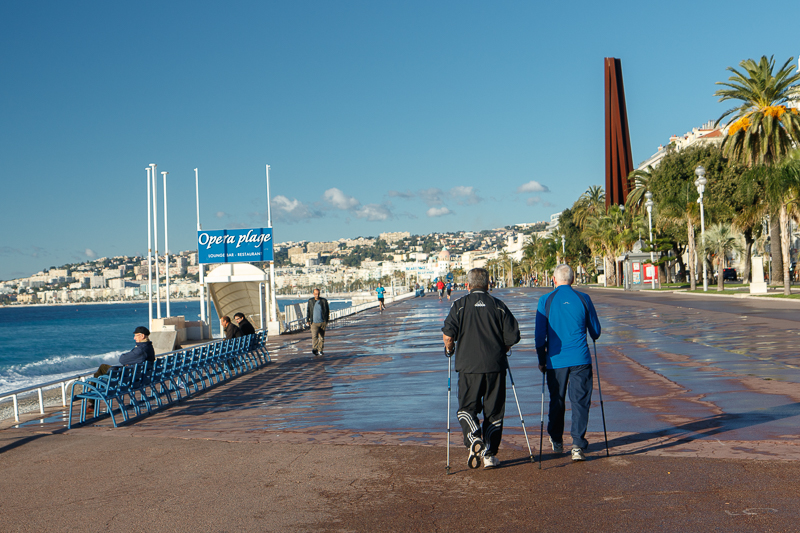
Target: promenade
702	404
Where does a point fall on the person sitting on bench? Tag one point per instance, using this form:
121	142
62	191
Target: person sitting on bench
143	351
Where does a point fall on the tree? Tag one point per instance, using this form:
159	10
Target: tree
721	239
763	132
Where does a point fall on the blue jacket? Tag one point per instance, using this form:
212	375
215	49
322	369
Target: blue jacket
141	353
561	337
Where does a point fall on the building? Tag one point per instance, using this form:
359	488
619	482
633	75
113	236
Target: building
552	227
394	236
322	247
705	134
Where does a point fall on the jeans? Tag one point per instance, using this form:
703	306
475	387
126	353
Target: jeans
578	379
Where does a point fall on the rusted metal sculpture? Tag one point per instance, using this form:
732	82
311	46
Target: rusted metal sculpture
619	162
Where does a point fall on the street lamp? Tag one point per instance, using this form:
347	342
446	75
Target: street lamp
649	205
563	246
700	183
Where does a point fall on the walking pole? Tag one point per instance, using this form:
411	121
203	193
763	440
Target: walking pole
600	390
449	366
541	425
513	388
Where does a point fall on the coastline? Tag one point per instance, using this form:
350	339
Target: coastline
95	303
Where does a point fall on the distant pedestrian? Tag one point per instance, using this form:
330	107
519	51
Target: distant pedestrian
244	325
380	291
480	330
440	288
317	314
562	318
231	330
448	288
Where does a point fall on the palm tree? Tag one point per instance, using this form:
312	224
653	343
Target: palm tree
764	130
720	240
591	203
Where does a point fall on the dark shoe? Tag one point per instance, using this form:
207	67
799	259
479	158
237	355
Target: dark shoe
475	453
315	352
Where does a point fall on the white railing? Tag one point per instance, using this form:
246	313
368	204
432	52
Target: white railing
301	324
39	388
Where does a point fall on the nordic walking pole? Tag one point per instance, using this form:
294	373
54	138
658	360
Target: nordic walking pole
541	425
513	388
449	366
600	390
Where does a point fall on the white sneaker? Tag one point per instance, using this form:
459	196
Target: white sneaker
490	461
577	455
558	447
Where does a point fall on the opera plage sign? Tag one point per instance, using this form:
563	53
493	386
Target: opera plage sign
234	245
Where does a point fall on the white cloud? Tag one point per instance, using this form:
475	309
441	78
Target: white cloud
465	195
439	211
292	210
533	186
90	253
373	212
405	195
339	200
221	214
432	196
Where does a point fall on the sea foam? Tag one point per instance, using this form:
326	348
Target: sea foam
14	377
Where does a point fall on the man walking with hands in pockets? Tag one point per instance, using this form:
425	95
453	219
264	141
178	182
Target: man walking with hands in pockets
562	319
480	330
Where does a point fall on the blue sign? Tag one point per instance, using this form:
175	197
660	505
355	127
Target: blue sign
234	245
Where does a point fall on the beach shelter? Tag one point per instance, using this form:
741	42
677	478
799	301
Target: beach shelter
240	288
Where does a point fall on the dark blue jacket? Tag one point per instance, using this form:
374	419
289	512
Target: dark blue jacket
561	337
143	351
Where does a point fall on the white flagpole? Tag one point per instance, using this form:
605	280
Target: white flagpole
166	241
271	263
202	266
155	239
149	255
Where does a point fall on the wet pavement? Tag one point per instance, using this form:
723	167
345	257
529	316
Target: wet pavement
684	378
680	375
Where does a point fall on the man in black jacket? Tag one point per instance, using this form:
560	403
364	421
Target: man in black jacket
244	324
232	331
317	314
480	330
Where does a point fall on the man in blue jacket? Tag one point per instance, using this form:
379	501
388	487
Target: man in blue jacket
562	319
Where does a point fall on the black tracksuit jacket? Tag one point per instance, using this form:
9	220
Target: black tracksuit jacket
482	326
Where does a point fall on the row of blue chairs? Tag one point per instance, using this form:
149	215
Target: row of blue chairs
147	386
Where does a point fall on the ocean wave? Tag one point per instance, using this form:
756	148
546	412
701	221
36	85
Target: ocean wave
13	377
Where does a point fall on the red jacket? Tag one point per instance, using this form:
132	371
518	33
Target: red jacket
440	285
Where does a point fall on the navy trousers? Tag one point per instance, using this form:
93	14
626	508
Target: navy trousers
578	379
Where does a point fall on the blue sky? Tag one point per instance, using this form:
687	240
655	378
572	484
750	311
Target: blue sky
374	116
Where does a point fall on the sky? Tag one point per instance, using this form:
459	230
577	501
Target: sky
373	116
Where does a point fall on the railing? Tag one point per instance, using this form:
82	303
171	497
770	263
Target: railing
301	324
39	388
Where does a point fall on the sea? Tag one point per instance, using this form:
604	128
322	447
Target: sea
45	343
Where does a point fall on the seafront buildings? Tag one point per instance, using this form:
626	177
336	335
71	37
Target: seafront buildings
345	265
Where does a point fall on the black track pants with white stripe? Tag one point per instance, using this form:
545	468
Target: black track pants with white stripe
482	393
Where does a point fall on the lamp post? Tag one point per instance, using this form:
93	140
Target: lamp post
563	247
700	183
649	205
